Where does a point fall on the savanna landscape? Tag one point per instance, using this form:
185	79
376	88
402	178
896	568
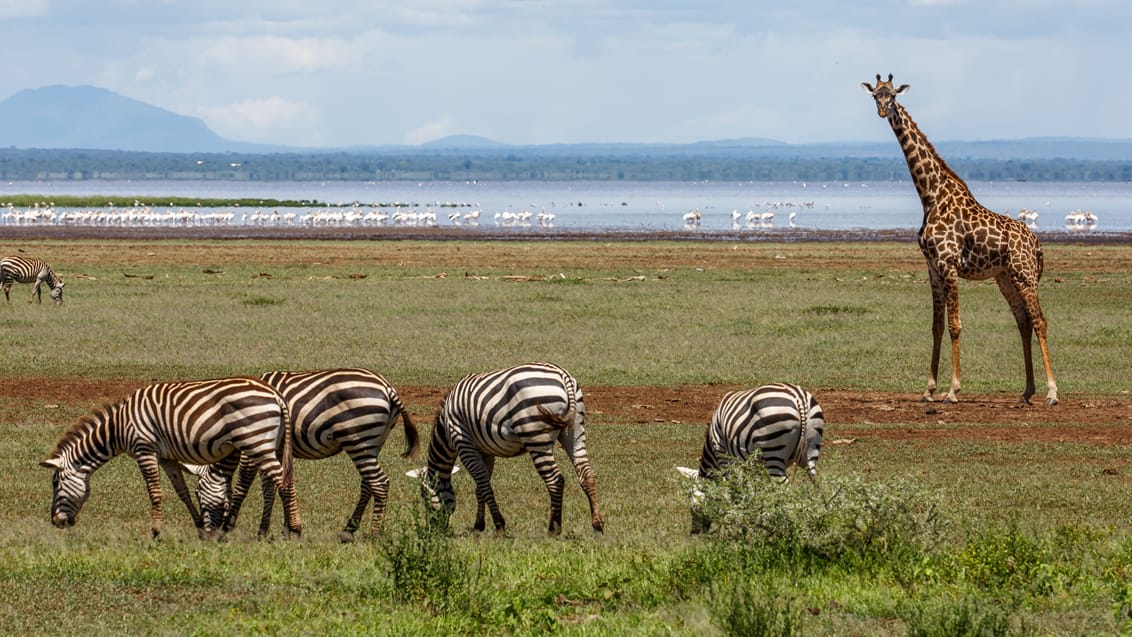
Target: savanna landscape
982	517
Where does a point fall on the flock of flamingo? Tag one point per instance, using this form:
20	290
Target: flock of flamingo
396	214
751	219
1076	220
374	215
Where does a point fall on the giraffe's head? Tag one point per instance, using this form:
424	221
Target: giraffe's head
885	95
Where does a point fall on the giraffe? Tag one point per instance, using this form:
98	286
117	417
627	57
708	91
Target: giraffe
961	238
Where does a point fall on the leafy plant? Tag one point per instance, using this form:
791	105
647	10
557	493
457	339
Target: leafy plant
840	516
426	567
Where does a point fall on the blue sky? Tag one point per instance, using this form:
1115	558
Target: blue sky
333	73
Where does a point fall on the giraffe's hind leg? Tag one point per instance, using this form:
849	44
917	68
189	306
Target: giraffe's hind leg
1023	300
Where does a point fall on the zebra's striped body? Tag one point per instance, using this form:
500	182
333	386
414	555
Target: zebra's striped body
526	408
351	410
780	422
30	270
161	425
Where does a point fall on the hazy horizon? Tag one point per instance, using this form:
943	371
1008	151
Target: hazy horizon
341	74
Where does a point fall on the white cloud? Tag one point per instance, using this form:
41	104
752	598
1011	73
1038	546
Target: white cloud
24	8
433	130
276	55
267	120
146	73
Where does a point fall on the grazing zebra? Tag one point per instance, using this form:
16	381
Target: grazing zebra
780	422
30	270
164	424
526	408
351	410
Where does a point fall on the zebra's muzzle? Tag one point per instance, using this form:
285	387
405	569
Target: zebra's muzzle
62	520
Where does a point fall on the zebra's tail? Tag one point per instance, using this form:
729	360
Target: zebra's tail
412	436
287	451
553	419
567	419
802	402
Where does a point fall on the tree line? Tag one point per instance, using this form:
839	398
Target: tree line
519	165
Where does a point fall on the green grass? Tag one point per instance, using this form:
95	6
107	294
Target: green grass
1028	549
823	328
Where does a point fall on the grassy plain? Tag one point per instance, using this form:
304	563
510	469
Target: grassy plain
1038	543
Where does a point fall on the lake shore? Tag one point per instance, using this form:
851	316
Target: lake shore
492	233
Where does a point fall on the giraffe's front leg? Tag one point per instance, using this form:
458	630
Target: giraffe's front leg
954	327
939	307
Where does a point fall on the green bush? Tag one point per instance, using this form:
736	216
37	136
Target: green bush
745	606
965	617
426	567
838	517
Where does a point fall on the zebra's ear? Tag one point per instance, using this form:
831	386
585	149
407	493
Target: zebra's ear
199	470
52	463
688	472
419	473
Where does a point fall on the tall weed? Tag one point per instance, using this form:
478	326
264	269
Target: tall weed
839	517
426	567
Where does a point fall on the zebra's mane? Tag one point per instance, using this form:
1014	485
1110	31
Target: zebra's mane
101	414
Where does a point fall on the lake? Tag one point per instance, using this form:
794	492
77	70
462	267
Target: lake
644	206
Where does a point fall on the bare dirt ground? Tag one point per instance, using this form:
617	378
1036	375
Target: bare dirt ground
1081	418
1102	421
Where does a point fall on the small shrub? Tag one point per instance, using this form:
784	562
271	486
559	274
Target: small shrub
425	567
999	559
826	310
838	517
966	617
741	607
261	301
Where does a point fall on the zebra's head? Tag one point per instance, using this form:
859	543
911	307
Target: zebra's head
700	522
436	490
57	290
213	494
70	485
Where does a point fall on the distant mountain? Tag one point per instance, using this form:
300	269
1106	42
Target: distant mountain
90	117
463	142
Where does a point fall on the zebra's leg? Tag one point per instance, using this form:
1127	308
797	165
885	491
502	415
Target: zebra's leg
376	483
547	468
355	520
177	478
7	289
147	462
574	442
481	522
268	505
480	470
37	291
271	470
244	478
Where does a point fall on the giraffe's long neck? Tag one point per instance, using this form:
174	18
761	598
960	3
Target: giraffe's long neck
929	171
